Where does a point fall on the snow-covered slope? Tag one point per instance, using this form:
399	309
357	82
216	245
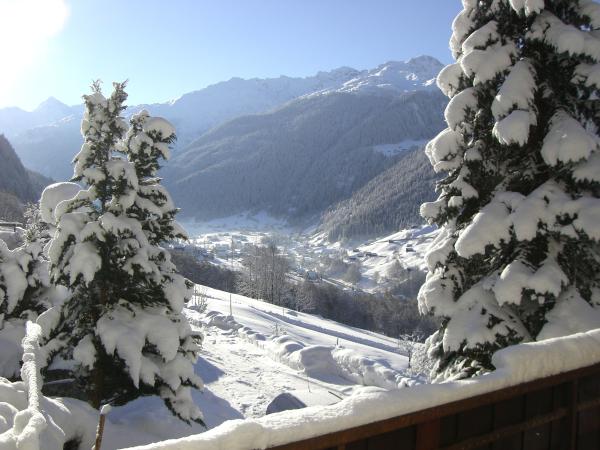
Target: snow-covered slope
259	353
407	246
196	112
396	261
514	365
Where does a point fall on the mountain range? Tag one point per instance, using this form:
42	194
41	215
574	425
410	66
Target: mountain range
293	147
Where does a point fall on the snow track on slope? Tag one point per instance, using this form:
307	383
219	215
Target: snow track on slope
317	361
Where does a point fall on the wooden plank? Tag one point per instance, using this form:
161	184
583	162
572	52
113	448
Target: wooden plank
536	404
572	418
358	445
560	398
448	429
475	422
509	412
588	427
428	435
589	413
479	441
404	439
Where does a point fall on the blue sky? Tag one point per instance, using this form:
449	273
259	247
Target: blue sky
167	48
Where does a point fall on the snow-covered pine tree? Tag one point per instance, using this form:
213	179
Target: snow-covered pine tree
517	257
123	327
25	293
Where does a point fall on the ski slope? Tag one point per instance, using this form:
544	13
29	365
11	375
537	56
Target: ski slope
260	352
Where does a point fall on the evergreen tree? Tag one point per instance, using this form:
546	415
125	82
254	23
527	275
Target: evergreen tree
518	256
123	328
25	293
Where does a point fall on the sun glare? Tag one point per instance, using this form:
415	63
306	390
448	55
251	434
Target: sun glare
25	28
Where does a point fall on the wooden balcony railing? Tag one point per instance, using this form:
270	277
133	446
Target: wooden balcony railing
557	412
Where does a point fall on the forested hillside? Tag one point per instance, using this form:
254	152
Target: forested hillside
387	203
302	158
18	185
13	176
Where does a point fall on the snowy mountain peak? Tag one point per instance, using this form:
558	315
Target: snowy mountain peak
425	62
396	76
51	105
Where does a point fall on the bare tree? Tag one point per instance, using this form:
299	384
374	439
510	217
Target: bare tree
265	274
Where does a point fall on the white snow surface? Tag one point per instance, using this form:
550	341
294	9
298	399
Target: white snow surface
408	247
309	252
514	365
52	196
243	221
448	79
517	90
567	141
528	6
159	126
514	128
484	65
246	361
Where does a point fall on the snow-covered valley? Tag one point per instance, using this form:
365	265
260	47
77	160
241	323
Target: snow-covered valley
382	263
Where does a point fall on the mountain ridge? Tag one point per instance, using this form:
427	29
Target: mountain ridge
194	113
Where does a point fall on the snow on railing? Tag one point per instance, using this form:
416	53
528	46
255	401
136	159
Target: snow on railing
30	422
30	371
514	366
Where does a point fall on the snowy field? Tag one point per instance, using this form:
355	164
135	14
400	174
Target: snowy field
261	352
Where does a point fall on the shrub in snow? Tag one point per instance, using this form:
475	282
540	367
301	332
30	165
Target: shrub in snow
122	333
518	256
